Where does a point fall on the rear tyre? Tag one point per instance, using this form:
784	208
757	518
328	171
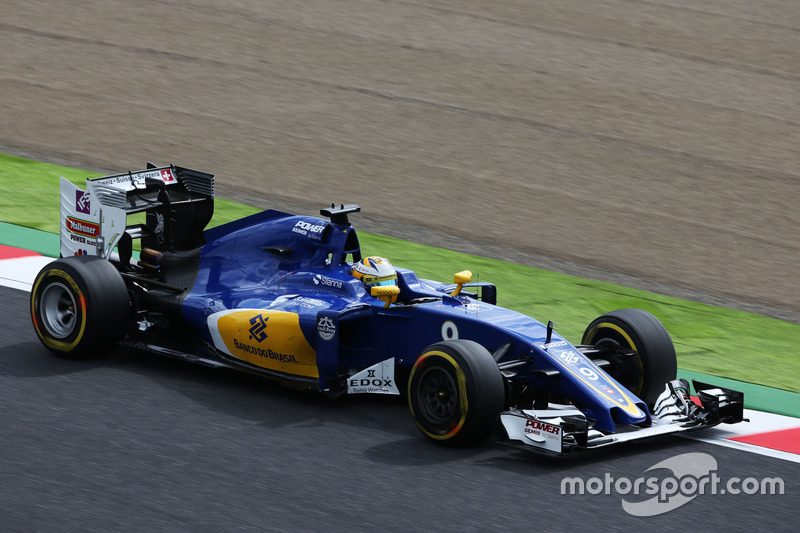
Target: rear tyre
79	306
654	363
455	392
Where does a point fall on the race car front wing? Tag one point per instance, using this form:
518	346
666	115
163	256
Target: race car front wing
563	429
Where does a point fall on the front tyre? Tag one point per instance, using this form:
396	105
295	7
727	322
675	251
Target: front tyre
79	306
455	392
654	362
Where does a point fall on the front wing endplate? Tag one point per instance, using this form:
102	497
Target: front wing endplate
562	429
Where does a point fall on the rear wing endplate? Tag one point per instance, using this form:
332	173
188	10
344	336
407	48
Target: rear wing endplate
178	203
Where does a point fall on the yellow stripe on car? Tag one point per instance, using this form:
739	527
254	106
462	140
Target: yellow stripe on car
265	338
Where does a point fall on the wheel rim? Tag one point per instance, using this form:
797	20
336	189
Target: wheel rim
437	395
631	375
58	307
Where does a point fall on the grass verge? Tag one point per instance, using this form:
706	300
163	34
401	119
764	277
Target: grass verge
711	340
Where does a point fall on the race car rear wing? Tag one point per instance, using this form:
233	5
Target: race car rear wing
177	204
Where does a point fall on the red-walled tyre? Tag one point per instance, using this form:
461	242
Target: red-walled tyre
79	306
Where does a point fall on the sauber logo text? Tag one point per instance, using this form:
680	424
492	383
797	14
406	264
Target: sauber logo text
83	227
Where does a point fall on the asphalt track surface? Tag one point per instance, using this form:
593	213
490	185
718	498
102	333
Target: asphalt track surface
133	442
651	140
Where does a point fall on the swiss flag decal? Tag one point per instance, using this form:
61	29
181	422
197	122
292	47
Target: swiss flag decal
167	176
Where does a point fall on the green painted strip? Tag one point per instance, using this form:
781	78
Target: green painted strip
756	397
29	239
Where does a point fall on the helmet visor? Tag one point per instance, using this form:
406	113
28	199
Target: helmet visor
380	281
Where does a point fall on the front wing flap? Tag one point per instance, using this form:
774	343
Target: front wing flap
563	429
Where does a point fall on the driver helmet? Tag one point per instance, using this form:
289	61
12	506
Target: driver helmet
374	271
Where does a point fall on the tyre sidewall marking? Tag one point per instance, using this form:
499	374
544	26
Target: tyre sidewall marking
45	337
462	393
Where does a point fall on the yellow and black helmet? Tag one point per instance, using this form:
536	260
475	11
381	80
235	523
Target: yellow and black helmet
374	271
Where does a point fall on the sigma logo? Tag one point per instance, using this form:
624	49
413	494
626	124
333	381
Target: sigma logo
257	330
82	202
326	328
304	228
535	426
319	279
83	227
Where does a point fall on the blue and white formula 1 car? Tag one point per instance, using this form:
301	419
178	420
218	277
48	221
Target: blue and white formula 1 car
284	296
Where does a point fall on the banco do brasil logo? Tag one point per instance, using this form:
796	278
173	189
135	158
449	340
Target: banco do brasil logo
259	324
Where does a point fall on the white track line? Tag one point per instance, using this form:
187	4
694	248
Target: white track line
743	446
19	272
760	422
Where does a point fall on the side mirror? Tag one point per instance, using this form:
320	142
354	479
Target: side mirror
460	278
387	293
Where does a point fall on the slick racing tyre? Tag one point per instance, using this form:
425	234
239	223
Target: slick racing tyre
79	306
455	392
654	363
